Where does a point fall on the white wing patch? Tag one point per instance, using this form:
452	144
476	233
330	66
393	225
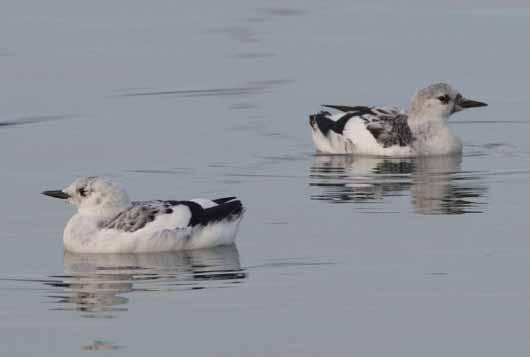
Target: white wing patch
204	203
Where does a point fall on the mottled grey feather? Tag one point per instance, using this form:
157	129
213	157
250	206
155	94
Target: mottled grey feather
139	214
390	130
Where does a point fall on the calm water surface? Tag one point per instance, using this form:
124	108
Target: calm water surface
336	255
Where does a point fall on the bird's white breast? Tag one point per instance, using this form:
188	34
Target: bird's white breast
435	139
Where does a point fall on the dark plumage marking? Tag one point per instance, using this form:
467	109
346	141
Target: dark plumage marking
321	122
345	108
376	132
444	98
391	130
203	217
139	214
223	200
341	123
325	124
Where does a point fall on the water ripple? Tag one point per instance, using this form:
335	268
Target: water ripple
35	119
251	88
435	185
100	285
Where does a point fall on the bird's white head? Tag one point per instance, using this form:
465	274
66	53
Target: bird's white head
438	102
93	195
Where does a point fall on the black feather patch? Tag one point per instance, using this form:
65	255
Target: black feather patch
321	122
324	124
341	123
223	200
345	108
224	211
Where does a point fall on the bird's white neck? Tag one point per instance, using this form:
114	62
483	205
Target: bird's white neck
101	213
83	227
432	136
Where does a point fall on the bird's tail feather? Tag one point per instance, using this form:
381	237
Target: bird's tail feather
224	211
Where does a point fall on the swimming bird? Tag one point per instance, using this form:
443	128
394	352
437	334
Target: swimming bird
108	222
390	131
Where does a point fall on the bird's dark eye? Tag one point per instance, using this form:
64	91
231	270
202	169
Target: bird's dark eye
444	98
82	192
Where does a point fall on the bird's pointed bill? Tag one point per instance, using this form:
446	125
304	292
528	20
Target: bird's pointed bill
468	103
57	194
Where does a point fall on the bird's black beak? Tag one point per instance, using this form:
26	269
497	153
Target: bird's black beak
468	103
57	194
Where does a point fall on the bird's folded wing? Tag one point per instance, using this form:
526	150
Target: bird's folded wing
139	214
183	213
376	119
388	126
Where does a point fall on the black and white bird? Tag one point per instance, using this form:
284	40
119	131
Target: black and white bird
390	131
108	222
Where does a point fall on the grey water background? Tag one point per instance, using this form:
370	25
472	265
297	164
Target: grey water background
336	255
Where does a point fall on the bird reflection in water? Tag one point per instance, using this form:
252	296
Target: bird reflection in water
436	185
97	284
